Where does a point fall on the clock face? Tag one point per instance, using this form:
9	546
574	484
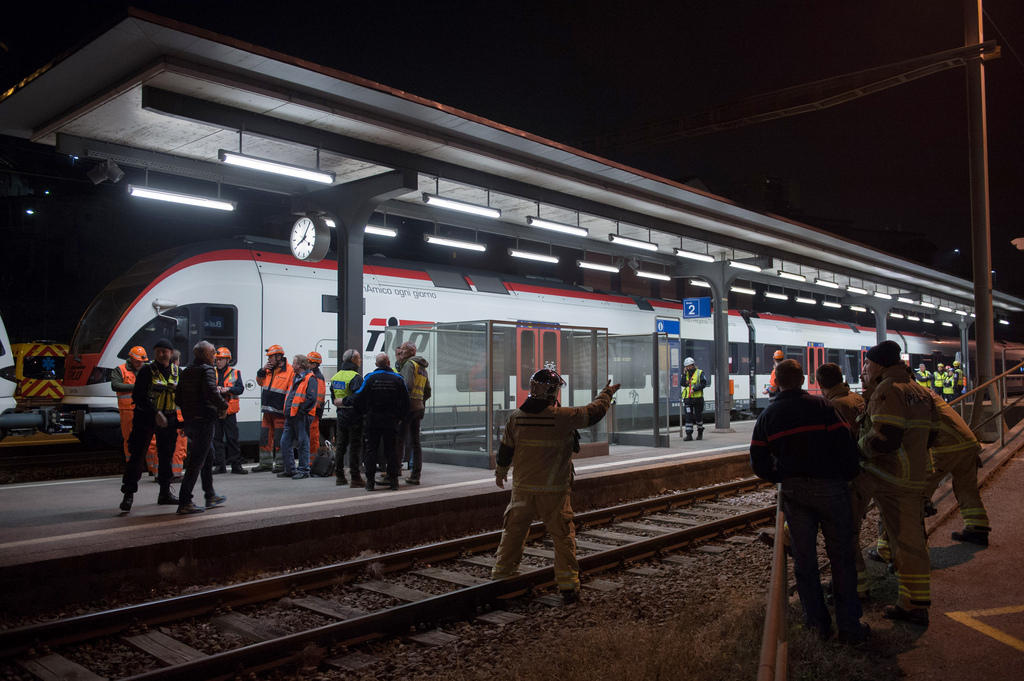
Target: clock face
303	238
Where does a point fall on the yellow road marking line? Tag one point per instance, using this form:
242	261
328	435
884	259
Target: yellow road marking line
969	618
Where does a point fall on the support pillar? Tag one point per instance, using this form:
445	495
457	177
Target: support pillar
351	205
720	280
981	248
965	352
881	322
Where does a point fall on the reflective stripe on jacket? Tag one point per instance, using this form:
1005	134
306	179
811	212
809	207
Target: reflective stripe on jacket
923	378
301	398
275	387
321	391
229	379
161	389
938	378
124	399
341	383
694	386
896	428
952	438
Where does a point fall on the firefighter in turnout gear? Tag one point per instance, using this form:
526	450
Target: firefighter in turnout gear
155	414
538	444
122	380
225	434
276	379
693	386
954	450
923	376
315	360
349	435
894	438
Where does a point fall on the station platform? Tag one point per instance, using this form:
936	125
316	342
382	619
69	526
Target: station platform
66	539
977	614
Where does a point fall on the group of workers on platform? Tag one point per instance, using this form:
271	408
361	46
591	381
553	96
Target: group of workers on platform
834	453
378	422
948	381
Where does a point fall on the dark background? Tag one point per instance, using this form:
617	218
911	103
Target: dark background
889	170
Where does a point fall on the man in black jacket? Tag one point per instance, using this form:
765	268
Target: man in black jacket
201	406
383	400
154	414
801	442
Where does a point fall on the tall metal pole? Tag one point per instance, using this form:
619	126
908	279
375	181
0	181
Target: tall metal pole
980	229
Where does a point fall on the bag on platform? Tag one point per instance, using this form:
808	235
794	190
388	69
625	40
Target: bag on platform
323	464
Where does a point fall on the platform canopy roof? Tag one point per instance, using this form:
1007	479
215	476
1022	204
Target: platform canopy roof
154	93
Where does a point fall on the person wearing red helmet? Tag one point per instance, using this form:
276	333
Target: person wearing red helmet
225	435
122	380
315	360
538	445
773	387
275	378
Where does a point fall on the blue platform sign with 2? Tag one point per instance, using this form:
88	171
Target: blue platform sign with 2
696	307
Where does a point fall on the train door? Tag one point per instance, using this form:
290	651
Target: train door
675	360
815	358
536	348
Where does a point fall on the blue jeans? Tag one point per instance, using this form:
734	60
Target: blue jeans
199	461
296	436
808	504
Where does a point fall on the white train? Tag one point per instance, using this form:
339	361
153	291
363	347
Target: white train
248	294
7	382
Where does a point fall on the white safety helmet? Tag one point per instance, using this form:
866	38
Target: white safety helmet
688	361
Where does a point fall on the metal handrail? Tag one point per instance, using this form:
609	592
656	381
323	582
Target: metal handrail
961	402
774	662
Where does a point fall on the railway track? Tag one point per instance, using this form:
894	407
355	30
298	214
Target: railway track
343	604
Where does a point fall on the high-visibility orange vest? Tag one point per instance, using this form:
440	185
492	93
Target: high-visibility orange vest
321	393
230	377
299	396
124	400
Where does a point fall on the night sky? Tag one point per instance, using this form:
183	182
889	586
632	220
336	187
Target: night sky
888	170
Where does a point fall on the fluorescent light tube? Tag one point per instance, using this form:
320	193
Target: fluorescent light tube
928	321
381	231
186	199
805	300
791	275
972	314
699	283
858	308
945	308
596	266
908	301
693	255
743	289
632	243
454	243
1003	321
896	315
857	289
775	296
883	296
826	283
829	303
276	167
926	304
913	318
947	323
744	266
527	255
556	226
961	313
461	206
653	275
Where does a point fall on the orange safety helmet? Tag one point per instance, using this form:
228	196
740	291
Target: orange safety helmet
139	353
223	353
315	358
275	350
778	355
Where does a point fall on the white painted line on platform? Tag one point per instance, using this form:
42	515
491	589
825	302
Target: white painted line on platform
76	481
326	503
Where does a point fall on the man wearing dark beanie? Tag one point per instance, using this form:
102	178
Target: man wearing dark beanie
894	443
800	442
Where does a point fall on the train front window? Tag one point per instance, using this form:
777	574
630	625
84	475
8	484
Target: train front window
172	325
219	328
99	319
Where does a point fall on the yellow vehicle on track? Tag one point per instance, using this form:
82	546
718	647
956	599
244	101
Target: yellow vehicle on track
39	371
